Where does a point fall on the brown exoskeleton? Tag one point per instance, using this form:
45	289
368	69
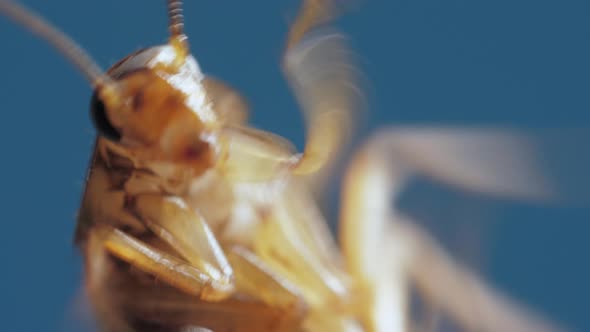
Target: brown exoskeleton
191	218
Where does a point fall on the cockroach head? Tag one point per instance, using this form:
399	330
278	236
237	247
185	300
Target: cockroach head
152	100
161	61
158	105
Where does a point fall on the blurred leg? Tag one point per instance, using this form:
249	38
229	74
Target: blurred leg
385	251
319	66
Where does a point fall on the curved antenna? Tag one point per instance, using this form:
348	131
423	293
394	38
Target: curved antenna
176	26
59	40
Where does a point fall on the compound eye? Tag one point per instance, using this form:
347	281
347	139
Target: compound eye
101	120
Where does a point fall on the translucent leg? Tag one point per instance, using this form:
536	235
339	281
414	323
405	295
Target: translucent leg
320	68
385	252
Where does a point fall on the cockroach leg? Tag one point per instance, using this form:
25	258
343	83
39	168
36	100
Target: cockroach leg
387	252
319	66
312	14
275	307
184	230
278	293
382	278
162	265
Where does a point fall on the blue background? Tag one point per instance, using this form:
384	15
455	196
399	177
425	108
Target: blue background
517	63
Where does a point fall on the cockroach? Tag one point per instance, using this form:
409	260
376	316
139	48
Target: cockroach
194	220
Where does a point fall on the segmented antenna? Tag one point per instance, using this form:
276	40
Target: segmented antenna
176	18
176	27
59	40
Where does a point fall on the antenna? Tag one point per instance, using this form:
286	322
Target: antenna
178	39
59	40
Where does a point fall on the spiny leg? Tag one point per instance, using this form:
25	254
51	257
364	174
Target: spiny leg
188	234
263	302
162	265
111	287
203	273
190	244
487	162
